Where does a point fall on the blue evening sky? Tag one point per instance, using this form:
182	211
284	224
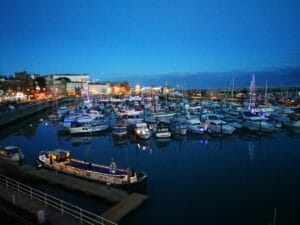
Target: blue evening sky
119	38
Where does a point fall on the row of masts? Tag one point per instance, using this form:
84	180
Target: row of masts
252	94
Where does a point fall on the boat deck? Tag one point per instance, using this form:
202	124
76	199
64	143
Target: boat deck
96	168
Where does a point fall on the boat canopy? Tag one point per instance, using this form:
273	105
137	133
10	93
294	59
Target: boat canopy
10	149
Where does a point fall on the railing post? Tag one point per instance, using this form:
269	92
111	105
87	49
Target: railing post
80	215
45	199
62	207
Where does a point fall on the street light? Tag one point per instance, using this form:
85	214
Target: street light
137	89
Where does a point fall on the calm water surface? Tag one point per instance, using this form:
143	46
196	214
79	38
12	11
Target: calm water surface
238	179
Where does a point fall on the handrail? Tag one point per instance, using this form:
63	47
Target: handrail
84	216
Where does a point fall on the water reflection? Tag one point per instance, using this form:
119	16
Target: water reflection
80	140
144	145
198	137
251	150
54	123
162	143
293	132
25	127
244	162
119	141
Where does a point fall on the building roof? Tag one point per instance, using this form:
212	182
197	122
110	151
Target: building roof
70	74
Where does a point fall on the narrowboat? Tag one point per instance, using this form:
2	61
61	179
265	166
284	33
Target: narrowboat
60	160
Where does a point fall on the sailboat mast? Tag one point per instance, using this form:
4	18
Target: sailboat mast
266	92
252	96
232	87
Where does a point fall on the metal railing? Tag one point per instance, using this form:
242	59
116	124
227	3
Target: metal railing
65	208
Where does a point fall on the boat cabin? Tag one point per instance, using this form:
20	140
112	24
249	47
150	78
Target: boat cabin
9	151
58	155
162	127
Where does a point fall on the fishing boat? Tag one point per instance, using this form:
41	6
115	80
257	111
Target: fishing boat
11	152
60	160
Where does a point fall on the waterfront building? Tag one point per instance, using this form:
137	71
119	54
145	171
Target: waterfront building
67	84
100	88
76	88
120	88
165	89
109	88
54	86
80	78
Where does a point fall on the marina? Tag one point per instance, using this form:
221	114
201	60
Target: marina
137	112
221	164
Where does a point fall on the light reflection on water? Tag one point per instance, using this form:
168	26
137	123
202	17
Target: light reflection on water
237	179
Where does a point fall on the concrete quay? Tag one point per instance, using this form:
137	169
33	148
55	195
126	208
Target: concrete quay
68	182
23	203
120	210
122	202
28	109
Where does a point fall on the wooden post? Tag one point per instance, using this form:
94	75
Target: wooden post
128	176
20	157
275	216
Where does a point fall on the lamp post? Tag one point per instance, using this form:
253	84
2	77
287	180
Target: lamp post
137	89
27	93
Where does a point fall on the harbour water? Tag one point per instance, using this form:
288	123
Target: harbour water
197	179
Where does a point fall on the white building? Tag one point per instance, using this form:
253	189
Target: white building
76	88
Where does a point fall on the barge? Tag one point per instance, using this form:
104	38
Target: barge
60	160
